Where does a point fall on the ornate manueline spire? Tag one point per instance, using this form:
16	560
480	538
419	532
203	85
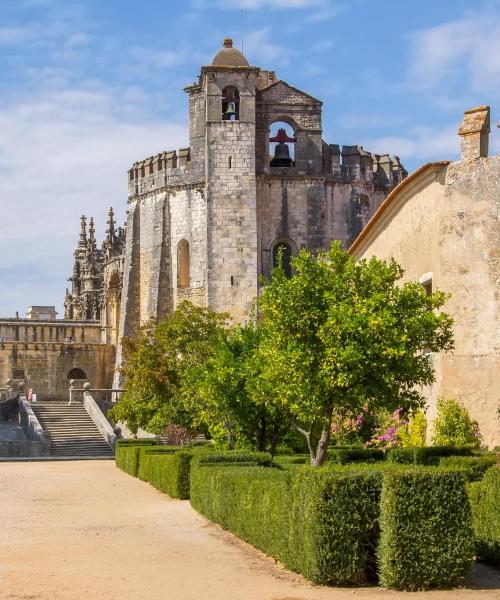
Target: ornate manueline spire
83	231
111	225
91	243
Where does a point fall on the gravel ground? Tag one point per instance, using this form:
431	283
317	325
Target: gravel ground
85	530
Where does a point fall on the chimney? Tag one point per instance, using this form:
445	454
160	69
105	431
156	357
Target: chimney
474	132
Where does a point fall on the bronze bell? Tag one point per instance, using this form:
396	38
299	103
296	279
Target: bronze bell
281	156
230	111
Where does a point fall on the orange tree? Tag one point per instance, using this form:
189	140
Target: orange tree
346	336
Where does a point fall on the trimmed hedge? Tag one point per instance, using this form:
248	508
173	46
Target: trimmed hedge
143	465
137	442
127	454
291	461
167	471
262	459
319	522
473	467
428	455
485	504
343	456
426	532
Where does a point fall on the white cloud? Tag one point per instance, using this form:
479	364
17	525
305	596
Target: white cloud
64	153
321	9
263	50
461	55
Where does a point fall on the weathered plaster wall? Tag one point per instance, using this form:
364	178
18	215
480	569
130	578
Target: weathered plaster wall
446	222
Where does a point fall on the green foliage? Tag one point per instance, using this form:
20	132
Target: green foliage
218	392
344	456
414	434
333	524
252	502
317	522
142	465
473	467
127	454
454	427
168	471
262	459
155	362
426	532
345	335
485	504
430	455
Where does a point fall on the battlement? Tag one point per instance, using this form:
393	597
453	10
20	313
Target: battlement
167	168
354	163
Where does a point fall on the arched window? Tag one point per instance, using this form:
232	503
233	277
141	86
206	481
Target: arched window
183	275
282	144
284	251
76	374
230	103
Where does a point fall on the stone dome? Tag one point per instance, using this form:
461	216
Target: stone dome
229	56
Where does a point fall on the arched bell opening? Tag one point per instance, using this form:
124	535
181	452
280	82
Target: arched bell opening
230	103
282	142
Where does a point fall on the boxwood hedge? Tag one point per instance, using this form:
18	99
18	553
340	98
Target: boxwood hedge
426	532
473	467
485	504
127	454
319	522
167	471
344	456
428	455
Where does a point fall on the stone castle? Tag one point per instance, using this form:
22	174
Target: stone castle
205	223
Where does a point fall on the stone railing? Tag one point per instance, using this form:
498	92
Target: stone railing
109	433
38	439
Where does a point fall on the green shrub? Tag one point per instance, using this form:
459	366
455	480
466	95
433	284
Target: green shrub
252	502
319	522
137	442
485	504
344	456
291	461
168	471
334	524
262	459
453	426
473	467
429	455
127	454
143	465
413	435
426	532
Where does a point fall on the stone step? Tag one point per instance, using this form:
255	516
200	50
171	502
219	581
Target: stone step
72	431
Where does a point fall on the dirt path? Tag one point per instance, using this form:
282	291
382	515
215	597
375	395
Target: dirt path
85	530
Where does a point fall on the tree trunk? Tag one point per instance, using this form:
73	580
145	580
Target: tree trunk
321	450
307	435
230	436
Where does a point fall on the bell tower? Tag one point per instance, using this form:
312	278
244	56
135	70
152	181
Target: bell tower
229	89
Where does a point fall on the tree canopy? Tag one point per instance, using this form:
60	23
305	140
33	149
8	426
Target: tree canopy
347	336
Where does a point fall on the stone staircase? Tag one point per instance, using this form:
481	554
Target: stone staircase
72	431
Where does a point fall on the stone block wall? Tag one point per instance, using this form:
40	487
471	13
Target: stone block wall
232	217
47	365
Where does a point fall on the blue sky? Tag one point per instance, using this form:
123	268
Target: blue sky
87	87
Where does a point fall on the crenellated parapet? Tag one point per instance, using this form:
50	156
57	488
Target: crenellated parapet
354	163
168	168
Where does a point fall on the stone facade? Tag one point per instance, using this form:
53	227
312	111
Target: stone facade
442	226
47	355
205	223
